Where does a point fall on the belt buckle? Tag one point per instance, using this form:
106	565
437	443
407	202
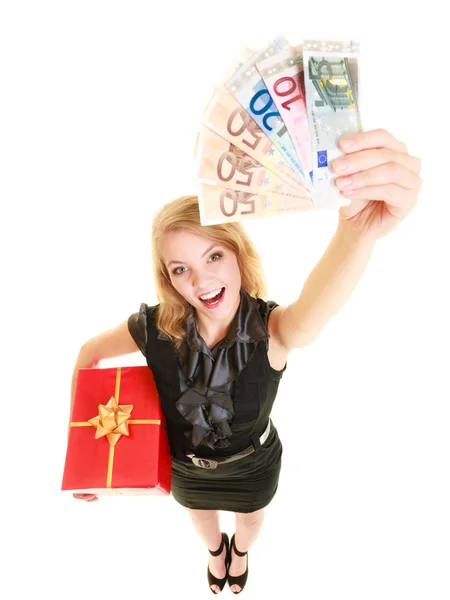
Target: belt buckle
204	463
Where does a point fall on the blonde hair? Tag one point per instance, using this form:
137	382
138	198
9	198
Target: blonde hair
183	213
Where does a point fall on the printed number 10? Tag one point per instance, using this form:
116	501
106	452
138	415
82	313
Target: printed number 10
291	89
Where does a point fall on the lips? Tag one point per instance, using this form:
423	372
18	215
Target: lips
217	303
219	289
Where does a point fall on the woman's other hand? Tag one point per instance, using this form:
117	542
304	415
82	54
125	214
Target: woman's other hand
87	497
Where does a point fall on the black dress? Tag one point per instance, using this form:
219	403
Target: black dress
217	402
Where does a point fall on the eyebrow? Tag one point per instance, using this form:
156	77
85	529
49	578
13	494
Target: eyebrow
182	262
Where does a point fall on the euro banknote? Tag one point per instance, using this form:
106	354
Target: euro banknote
248	87
225	116
283	75
222	164
331	83
224	205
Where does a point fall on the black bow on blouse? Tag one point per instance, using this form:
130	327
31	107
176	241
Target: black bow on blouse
207	403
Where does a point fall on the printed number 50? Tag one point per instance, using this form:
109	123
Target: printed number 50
236	198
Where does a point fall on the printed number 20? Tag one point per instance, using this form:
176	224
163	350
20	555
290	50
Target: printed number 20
264	109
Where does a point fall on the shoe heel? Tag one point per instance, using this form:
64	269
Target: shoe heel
239	580
211	579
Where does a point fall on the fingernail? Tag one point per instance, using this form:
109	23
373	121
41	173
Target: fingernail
343	181
347	144
339	165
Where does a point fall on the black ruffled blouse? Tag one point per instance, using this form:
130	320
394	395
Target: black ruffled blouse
206	375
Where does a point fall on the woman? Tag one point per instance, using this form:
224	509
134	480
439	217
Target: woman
217	350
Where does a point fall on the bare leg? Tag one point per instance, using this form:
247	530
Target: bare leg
206	524
248	526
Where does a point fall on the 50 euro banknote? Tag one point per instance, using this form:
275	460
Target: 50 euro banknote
225	116
222	164
331	72
224	205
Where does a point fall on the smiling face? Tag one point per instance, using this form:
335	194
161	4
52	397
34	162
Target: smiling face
197	266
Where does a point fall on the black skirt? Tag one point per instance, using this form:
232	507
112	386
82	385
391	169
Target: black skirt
244	485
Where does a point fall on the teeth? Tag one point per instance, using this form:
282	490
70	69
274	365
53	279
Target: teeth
211	294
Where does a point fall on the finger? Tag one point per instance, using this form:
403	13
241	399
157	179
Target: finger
392	194
94	499
381	175
366	159
84	496
376	138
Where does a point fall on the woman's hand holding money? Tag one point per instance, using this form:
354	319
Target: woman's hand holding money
381	179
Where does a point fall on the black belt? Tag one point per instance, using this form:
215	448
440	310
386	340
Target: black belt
211	463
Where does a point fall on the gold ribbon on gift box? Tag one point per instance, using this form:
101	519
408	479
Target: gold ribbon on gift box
112	421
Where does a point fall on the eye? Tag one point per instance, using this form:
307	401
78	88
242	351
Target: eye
177	272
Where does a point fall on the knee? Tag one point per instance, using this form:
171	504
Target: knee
253	519
202	515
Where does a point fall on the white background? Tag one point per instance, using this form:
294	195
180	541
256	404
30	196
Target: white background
100	102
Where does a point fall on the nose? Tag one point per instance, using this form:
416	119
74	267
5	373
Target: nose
201	284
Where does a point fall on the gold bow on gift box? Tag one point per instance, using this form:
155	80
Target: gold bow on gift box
112	421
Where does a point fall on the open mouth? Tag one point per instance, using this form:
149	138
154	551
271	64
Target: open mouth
217	298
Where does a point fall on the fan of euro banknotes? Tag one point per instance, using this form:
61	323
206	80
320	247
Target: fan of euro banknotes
270	131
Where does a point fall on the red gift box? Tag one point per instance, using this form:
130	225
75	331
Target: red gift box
117	442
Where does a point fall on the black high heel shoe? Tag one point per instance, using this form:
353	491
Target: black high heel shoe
213	580
240	580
